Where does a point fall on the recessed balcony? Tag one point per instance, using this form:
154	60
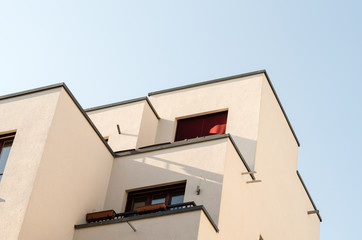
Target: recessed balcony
170	223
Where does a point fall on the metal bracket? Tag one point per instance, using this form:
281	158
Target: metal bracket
254	181
313	211
244	173
133	228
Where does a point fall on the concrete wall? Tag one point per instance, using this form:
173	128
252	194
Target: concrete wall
181	226
206	230
239	202
199	164
31	116
241	97
71	179
282	211
127	116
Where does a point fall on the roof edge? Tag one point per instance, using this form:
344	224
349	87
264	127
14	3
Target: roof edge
207	82
309	196
115	104
152	108
57	85
281	107
87	118
124	103
230	78
31	91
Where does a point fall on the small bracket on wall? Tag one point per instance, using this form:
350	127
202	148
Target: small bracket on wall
253	181
119	130
313	211
133	228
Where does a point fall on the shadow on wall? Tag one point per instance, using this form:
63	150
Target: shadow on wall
204	170
247	148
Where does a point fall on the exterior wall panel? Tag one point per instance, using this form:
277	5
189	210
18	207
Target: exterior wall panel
241	97
199	164
71	179
127	116
182	226
276	163
31	116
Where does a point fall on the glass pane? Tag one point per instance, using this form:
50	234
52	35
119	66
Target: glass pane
177	197
158	198
5	154
138	202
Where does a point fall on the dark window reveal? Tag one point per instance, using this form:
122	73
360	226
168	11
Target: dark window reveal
169	195
200	126
6	141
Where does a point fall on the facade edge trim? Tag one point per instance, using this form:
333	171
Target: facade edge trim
309	196
241	157
281	107
31	91
115	104
170	145
231	78
152	108
88	119
206	82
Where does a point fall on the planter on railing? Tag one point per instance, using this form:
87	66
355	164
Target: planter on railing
151	208
99	216
110	214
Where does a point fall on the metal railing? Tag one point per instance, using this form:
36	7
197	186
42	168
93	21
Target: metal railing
172	207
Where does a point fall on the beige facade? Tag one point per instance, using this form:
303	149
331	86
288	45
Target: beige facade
240	183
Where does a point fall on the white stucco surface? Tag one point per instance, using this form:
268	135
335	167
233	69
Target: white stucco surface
199	164
127	116
31	117
181	226
71	177
240	96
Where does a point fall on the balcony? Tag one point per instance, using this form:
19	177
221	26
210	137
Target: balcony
178	221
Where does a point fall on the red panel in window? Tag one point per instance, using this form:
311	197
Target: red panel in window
201	126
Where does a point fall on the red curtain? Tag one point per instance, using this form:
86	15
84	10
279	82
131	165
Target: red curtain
201	126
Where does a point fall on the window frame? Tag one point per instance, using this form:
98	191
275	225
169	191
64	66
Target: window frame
149	192
4	138
200	117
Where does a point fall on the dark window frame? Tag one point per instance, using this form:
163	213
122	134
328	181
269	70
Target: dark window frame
201	125
5	138
148	193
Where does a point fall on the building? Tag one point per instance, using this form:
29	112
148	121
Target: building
214	160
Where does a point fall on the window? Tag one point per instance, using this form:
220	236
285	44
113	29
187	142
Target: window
6	141
201	126
169	195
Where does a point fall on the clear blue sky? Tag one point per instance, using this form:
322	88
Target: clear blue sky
107	51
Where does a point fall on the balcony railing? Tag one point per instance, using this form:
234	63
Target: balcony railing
172	207
130	216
